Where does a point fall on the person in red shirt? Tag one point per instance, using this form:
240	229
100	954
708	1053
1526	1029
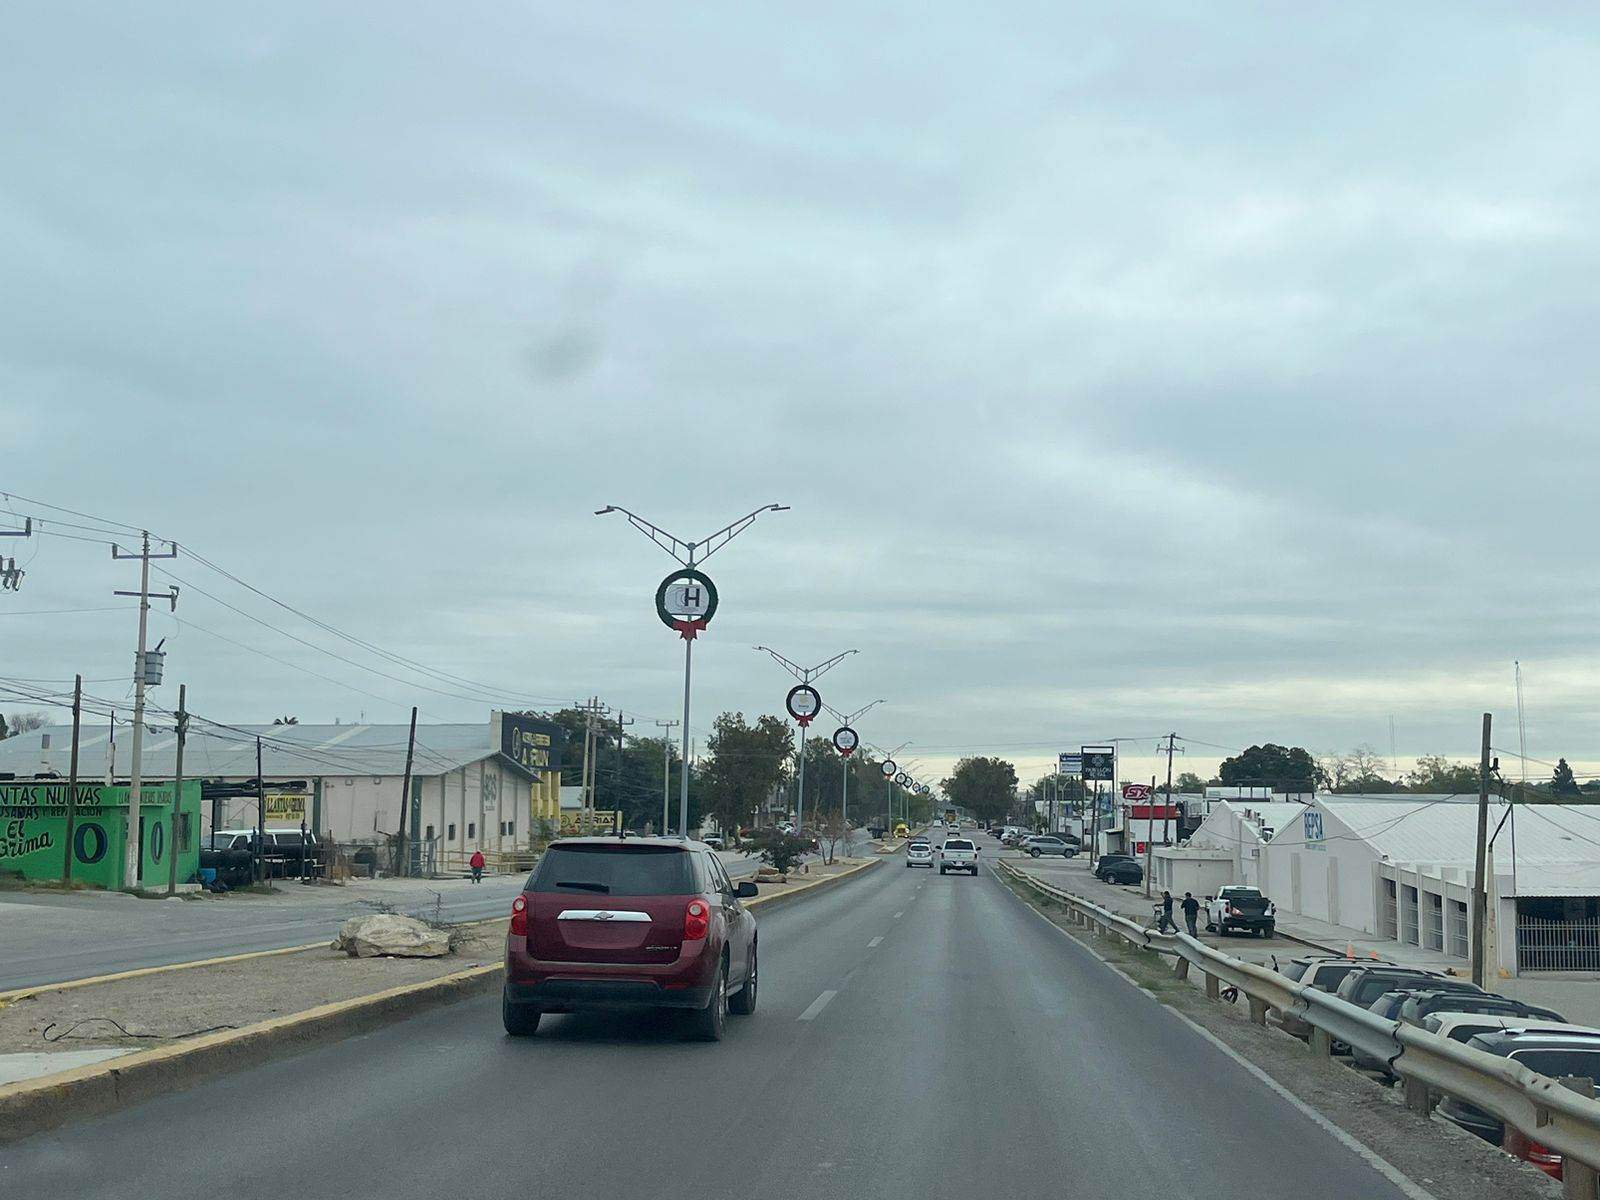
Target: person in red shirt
476	863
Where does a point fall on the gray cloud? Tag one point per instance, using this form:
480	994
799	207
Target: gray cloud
1127	369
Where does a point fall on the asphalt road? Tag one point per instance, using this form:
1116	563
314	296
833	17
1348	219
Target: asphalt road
917	1035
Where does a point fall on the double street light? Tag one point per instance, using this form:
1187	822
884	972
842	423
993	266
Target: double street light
686	601
804	701
845	741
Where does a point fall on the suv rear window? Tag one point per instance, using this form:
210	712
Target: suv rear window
614	871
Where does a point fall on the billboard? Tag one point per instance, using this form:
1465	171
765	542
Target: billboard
1099	764
531	742
605	820
1069	764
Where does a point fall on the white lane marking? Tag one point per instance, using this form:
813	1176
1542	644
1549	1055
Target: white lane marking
874	943
899	914
1360	1149
817	1005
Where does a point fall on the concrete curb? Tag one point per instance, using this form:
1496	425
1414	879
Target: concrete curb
777	898
34	1105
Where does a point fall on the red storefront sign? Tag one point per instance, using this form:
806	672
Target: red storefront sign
1153	812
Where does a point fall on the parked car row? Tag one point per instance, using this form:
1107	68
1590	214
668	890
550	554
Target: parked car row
1539	1038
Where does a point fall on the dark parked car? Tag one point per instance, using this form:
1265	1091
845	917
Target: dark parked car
1048	844
1389	1004
1422	1005
1549	1053
1119	868
1362	987
621	923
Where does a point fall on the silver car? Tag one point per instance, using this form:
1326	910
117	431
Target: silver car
919	854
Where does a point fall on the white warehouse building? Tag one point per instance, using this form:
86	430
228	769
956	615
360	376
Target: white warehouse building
1242	828
1402	867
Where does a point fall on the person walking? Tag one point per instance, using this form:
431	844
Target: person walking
476	863
1191	910
1166	921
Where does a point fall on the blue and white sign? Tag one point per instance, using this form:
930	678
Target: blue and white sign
1069	764
1313	820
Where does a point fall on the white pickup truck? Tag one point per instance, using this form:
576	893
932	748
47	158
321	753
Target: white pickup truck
1245	908
958	854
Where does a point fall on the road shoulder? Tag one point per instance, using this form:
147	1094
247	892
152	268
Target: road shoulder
1435	1156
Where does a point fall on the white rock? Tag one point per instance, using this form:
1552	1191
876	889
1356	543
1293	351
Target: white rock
388	934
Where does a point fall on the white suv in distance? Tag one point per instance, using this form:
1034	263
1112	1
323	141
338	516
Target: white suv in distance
958	854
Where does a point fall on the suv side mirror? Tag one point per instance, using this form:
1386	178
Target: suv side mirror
745	890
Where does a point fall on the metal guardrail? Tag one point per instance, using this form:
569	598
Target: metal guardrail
1541	1108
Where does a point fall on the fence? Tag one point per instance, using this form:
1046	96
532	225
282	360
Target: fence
1553	944
1535	1106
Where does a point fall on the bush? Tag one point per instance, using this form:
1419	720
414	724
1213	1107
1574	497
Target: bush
783	850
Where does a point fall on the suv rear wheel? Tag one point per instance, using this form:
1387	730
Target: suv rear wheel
520	1020
743	1002
711	1022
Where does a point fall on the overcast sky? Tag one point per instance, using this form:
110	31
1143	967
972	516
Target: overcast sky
1224	369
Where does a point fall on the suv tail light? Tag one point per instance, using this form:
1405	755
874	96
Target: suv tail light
519	917
696	920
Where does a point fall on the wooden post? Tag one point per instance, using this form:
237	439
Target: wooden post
1321	1042
1577	1179
72	778
1418	1098
1258	1011
1181	967
1213	991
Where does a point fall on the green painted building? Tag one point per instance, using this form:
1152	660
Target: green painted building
34	842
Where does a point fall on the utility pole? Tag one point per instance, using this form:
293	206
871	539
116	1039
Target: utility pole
1480	885
405	798
1150	836
177	792
591	708
72	778
622	723
261	818
666	774
1166	837
142	672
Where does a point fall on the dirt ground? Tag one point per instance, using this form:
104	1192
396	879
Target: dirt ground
158	1009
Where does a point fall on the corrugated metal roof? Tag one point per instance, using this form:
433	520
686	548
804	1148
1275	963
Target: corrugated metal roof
287	751
1557	845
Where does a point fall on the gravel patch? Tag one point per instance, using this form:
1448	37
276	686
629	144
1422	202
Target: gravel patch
156	1010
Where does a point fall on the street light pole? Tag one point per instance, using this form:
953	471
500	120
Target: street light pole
666	772
844	790
686	553
805	675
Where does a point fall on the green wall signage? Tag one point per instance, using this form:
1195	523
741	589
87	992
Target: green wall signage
33	832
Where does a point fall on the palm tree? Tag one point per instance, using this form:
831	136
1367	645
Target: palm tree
286	720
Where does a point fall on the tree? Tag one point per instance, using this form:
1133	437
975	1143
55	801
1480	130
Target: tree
1435	773
1563	783
286	720
745	763
1281	768
783	850
985	787
21	723
1188	781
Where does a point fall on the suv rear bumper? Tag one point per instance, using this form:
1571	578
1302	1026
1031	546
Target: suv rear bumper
558	994
554	986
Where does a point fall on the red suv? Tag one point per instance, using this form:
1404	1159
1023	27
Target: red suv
618	923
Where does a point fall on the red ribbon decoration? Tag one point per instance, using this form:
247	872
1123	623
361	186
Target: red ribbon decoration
688	629
803	721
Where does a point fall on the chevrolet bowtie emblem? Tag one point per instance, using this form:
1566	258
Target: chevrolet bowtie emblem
602	916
